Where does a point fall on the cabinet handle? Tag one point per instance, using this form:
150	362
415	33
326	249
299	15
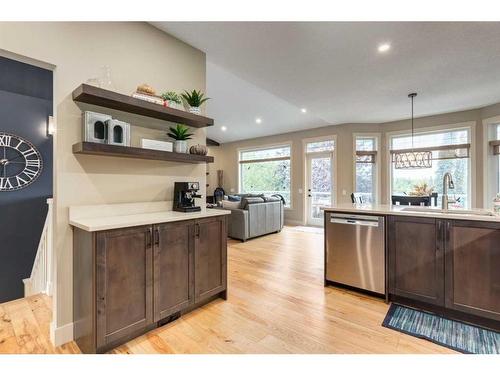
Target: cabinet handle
157	237
440	231
149	238
448	231
197	230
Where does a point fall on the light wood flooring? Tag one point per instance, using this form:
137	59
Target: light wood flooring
276	304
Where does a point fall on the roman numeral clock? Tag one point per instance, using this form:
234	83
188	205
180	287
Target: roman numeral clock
20	162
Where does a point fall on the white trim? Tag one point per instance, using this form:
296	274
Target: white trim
487	123
378	162
61	335
266	147
293	222
466	125
305	182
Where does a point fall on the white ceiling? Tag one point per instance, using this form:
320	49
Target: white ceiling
271	70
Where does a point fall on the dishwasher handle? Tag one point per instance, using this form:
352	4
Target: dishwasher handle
362	223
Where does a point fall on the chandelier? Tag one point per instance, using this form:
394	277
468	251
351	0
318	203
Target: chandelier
412	158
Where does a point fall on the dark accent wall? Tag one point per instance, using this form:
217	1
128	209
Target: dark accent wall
26	96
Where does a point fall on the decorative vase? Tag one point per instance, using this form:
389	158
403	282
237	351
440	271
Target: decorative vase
195	110
181	147
198	150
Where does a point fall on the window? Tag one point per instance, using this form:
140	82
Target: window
450	153
365	171
492	171
321	146
266	171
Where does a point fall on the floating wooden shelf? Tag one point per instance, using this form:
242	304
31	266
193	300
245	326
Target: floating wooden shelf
110	99
89	148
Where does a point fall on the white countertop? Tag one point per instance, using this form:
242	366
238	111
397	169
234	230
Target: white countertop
385	209
105	217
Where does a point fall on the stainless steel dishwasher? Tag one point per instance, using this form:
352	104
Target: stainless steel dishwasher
355	251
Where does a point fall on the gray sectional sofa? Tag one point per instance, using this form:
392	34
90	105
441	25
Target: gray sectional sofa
254	215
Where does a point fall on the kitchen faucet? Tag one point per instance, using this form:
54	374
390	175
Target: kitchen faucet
447	184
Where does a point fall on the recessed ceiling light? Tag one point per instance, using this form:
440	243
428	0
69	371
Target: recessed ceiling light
223	128
258	120
384	47
303	110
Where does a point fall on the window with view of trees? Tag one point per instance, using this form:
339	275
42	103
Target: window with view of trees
405	181
266	171
365	173
492	172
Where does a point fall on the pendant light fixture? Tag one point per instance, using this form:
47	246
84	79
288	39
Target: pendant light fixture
412	158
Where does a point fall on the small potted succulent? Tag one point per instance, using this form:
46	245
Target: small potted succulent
194	99
180	135
172	99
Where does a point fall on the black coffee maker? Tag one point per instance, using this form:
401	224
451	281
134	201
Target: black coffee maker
184	194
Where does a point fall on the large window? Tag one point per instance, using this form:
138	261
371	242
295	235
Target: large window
365	171
266	171
446	158
492	165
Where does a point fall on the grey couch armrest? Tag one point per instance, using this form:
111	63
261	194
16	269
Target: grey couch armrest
238	224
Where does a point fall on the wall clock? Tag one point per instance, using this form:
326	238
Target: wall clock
20	162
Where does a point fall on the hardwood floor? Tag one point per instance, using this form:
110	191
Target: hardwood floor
276	304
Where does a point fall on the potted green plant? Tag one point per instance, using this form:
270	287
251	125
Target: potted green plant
194	99
180	135
172	99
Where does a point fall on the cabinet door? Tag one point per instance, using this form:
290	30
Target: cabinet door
473	268
173	268
416	259
210	257
124	283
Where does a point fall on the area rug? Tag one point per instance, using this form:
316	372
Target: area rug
452	334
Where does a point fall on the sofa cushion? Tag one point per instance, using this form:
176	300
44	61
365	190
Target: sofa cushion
234	198
270	198
250	200
230	205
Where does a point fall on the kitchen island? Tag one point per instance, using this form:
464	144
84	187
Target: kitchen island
140	265
446	262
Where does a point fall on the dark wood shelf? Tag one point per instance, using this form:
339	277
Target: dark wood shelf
110	99
89	148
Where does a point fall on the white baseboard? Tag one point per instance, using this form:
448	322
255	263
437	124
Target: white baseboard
293	222
61	335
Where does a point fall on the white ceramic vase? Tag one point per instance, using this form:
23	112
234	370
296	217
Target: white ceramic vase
195	110
181	147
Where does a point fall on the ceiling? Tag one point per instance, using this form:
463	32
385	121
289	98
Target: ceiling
271	70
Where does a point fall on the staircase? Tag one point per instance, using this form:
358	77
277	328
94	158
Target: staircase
41	273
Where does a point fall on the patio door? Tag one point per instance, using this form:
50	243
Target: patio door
319	189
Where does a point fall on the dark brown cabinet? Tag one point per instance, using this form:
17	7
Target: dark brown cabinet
449	266
416	261
173	268
473	268
210	255
126	281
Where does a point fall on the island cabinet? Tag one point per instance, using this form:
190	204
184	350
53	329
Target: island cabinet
130	280
472	268
416	259
447	266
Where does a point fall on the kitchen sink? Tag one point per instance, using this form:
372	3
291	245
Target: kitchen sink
450	211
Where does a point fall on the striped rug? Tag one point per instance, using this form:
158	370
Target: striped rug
455	335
